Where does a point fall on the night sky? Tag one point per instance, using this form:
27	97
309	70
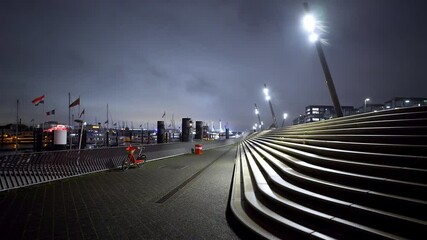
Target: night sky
204	59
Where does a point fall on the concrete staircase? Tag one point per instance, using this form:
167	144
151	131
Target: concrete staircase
356	177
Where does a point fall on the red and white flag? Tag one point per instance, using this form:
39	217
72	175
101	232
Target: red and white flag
75	103
38	100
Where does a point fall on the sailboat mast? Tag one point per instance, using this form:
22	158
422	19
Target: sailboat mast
107	118
17	123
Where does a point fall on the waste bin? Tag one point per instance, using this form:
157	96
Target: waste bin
198	149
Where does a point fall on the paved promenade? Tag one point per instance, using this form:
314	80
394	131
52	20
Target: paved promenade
183	197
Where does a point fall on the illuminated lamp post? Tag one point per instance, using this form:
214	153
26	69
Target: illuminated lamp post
268	98
366	100
285	115
259	118
311	26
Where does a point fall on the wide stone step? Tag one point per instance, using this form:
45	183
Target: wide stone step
400	167
347	210
356	177
402	149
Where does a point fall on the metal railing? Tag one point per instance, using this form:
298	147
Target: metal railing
26	169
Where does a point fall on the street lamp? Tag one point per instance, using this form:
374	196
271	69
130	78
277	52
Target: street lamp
285	115
268	98
366	100
312	27
406	103
257	113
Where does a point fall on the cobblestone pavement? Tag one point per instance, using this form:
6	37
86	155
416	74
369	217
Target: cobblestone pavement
182	197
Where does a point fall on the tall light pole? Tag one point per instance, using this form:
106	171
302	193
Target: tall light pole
259	118
366	100
268	98
285	115
311	26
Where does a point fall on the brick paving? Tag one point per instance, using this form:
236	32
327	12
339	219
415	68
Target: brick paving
125	205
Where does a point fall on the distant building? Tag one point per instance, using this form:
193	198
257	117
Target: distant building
299	120
95	134
371	107
399	102
315	113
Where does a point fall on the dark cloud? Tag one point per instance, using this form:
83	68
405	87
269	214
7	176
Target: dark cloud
204	59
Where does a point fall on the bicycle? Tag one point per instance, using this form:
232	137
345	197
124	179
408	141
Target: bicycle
131	160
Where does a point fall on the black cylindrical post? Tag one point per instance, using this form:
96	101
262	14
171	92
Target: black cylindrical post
160	131
199	130
227	133
186	128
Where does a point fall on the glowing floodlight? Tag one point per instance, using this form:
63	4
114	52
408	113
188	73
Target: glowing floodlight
313	37
309	23
266	91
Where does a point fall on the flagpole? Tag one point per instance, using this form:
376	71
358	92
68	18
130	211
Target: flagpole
107	117
79	105
43	118
81	134
17	123
69	118
108	130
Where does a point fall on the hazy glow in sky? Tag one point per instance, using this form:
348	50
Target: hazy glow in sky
207	60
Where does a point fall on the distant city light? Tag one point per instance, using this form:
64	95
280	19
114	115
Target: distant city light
407	101
285	115
267	98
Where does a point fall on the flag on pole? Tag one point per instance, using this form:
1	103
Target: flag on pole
50	112
81	114
75	103
106	122
32	120
38	100
164	114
